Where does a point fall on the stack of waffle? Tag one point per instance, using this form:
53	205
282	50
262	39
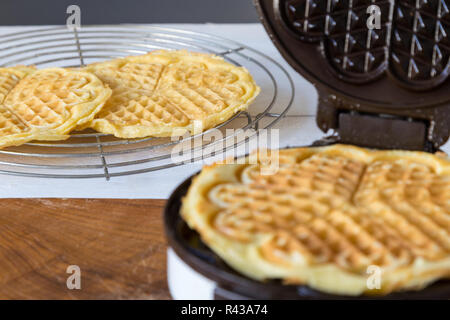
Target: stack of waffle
158	94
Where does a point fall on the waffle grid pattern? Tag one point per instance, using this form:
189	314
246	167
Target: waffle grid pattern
204	92
46	104
47	100
165	92
412	43
420	40
314	215
8	81
325	207
10	123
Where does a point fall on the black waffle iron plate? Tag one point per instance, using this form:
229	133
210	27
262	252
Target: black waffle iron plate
384	88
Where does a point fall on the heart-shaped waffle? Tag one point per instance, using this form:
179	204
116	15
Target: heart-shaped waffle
46	104
164	92
10	77
328	216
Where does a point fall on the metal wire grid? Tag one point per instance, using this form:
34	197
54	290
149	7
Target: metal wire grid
90	154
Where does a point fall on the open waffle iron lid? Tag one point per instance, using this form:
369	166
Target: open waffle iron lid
382	88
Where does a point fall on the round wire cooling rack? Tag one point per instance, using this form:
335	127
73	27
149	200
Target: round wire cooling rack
89	154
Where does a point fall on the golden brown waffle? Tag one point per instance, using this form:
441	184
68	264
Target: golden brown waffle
12	130
327	216
163	92
46	104
10	77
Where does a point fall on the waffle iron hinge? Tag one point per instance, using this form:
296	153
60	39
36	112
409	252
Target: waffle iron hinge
383	131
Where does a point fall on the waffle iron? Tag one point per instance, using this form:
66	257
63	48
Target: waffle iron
385	88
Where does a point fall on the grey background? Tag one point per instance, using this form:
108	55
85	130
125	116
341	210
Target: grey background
38	12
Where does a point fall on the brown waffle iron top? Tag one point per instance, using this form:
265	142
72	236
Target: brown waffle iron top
375	83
